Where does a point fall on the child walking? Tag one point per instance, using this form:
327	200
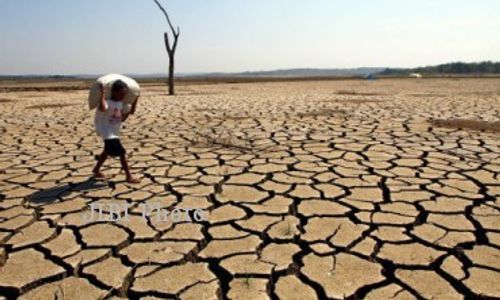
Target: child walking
108	121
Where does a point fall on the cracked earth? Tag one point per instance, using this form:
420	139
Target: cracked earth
316	190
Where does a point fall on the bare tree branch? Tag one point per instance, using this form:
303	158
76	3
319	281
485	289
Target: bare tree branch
174	47
167	17
167	43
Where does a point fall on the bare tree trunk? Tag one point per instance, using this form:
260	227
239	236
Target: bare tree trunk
171	66
170	49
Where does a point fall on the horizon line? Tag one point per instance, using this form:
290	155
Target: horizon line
229	73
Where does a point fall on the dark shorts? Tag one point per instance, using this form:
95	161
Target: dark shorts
114	147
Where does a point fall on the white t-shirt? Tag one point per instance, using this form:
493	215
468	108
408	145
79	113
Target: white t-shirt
109	122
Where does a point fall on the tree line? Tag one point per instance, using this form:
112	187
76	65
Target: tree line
485	67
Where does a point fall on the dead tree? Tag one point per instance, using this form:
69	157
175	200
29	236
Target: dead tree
171	47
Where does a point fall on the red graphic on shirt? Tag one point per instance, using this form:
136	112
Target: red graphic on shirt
116	117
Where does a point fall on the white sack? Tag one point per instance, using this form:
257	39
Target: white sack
108	80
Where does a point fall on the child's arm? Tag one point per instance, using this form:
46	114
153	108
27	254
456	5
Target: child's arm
103	106
132	111
125	117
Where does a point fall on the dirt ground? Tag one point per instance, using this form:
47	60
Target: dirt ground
320	189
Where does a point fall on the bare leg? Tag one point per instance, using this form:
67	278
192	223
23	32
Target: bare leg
130	178
100	162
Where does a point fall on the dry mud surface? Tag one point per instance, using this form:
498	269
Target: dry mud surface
332	189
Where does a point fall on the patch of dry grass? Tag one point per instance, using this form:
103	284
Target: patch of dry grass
468	124
360	101
59	105
350	92
37	95
426	95
43	88
5	100
195	93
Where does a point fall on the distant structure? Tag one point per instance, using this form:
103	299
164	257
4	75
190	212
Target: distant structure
370	77
415	75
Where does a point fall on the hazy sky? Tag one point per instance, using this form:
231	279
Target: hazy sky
126	36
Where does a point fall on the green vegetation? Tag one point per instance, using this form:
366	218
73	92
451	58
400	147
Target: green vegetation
486	67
